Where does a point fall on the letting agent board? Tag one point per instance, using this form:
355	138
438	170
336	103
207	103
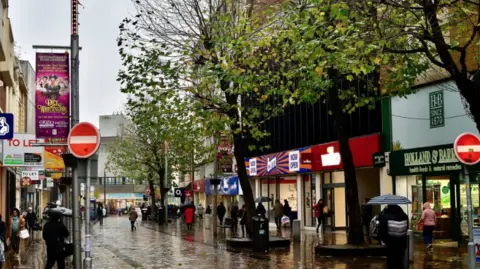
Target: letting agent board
428	160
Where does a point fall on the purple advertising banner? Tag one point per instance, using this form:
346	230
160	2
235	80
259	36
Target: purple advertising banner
52	97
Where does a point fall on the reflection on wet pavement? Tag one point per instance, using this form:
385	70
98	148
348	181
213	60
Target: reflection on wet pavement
153	246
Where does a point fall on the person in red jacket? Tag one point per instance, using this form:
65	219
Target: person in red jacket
189	212
320	214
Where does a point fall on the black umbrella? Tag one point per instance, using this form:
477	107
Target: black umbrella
262	199
185	206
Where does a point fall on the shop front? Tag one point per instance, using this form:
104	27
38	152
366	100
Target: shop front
285	176
123	201
328	161
434	175
228	191
199	192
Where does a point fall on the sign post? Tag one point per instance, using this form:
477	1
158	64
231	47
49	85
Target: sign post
467	150
83	142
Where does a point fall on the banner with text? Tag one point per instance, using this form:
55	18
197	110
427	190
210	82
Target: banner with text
428	160
52	96
20	151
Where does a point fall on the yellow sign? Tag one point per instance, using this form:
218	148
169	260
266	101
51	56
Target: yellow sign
56	176
53	158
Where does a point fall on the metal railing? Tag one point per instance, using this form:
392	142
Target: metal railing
114	181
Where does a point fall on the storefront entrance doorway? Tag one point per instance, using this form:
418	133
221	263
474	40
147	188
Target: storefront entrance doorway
334	198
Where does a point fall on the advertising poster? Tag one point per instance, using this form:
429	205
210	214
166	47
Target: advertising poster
53	158
20	151
52	96
476	241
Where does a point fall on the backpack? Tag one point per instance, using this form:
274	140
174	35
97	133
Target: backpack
374	228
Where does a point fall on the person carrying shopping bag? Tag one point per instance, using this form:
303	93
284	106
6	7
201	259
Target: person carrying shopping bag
16	224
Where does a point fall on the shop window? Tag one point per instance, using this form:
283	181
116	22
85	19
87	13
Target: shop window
338	177
309	199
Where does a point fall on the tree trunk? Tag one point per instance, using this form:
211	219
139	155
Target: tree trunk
163	193
240	146
355	228
152	193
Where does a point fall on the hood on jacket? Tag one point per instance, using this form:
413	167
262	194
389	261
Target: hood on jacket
426	206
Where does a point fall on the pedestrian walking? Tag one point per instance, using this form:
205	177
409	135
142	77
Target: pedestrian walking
320	214
54	234
3	241
133	218
429	220
189	213
278	213
234	216
208	211
200	210
367	215
243	218
286	208
15	224
31	221
261	210
100	213
393	229
221	210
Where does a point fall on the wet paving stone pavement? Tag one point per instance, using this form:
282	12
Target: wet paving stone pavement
153	246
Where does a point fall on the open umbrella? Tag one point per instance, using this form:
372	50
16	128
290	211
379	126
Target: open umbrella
262	199
389	199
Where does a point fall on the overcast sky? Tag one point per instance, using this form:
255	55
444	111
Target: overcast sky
47	22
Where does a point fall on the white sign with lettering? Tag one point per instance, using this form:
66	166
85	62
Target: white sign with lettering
252	166
271	164
294	161
332	158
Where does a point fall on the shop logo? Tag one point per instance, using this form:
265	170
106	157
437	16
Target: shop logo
252	167
271	164
294	161
332	158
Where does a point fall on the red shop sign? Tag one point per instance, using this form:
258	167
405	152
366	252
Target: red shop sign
199	186
327	156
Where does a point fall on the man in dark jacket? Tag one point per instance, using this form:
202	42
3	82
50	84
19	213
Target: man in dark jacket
100	213
393	232
261	210
31	219
221	210
54	234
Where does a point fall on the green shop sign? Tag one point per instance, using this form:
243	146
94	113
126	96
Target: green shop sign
434	160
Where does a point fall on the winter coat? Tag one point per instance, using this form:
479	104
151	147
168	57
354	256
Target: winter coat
31	218
287	209
221	210
54	233
319	208
21	226
261	210
189	215
200	210
393	226
278	210
133	215
428	215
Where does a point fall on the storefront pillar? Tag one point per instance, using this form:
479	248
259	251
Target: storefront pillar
257	187
318	183
300	197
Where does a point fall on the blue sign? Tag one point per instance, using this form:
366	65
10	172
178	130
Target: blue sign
228	186
6	126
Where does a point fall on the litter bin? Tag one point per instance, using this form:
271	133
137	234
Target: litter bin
144	213
260	236
161	216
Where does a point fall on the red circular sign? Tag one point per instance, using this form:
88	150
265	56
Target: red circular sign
26	181
467	148
83	140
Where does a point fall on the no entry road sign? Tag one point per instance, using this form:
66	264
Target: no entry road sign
83	140
467	148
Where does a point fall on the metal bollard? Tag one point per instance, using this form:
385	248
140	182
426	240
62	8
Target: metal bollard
410	245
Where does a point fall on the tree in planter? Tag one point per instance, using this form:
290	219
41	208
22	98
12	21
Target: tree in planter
215	54
444	32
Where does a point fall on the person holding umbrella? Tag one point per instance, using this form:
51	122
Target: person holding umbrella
189	211
393	228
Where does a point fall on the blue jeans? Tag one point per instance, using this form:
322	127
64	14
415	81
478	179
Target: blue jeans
428	234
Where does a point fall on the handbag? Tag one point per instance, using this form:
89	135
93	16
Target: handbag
24	234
